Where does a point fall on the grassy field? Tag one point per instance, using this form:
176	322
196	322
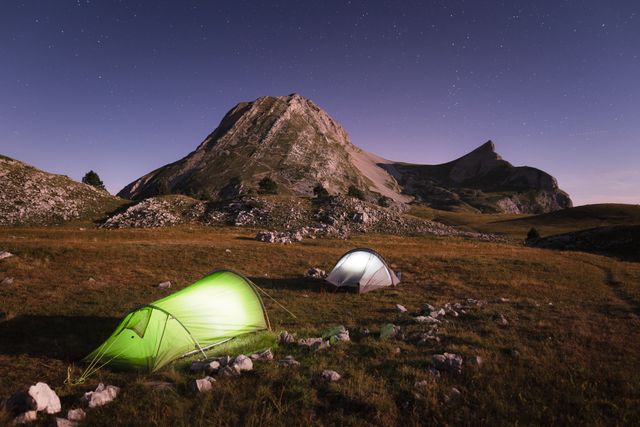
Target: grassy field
568	356
517	226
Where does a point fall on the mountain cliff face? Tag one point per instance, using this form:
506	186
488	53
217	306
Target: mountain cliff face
29	196
481	181
288	139
295	143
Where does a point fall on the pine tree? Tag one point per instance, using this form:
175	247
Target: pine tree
93	179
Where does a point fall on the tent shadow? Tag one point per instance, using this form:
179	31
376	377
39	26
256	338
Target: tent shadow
293	283
68	338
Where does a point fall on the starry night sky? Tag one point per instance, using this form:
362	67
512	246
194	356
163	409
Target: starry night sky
123	87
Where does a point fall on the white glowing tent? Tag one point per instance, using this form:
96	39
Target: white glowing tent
362	270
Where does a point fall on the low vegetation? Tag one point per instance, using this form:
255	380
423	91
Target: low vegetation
568	354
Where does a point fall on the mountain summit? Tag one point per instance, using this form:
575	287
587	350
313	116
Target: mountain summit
290	140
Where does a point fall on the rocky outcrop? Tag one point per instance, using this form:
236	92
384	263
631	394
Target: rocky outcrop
29	196
287	222
481	181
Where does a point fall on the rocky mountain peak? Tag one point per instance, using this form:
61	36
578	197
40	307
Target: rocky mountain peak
286	138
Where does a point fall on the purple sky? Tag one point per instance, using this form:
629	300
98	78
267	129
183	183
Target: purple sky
125	87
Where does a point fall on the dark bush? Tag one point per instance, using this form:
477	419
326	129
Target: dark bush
533	234
267	186
355	192
384	201
319	191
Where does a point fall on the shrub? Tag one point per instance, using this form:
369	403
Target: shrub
384	201
533	234
93	180
268	186
319	191
355	192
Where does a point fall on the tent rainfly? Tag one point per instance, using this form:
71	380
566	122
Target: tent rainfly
213	310
362	270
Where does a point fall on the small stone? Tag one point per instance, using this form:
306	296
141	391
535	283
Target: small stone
76	414
330	375
308	343
453	394
426	319
474	362
198	366
286	338
91	280
5	254
427	308
288	361
434	372
263	355
501	320
201	385
503	299
63	422
242	363
228	371
447	362
7	281
102	395
46	399
225	360
401	308
164	285
26	417
227	251
316	273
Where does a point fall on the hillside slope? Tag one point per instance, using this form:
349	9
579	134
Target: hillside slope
29	196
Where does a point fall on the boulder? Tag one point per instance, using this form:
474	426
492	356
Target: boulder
102	395
5	254
46	399
330	375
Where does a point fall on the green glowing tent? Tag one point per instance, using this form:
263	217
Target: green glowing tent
213	310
